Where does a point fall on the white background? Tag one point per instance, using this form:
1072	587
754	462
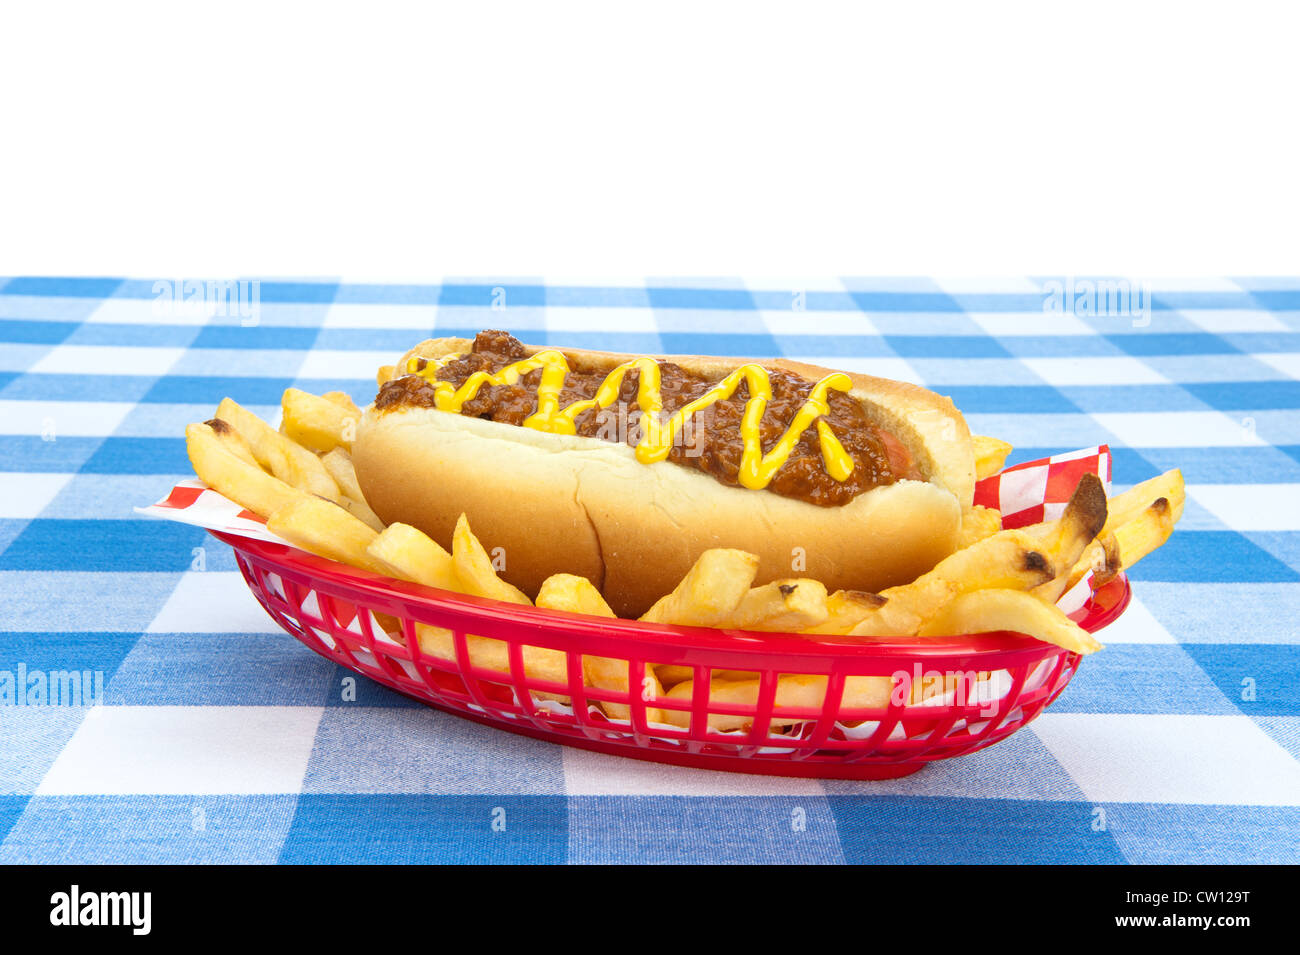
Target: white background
600	140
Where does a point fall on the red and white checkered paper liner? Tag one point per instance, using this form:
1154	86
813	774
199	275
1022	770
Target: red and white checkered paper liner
1025	494
193	502
1039	490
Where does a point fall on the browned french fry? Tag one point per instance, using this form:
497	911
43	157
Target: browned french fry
1129	505
290	462
1010	558
783	606
903	619
1146	522
228	473
232	441
845	609
1101	557
1144	533
1066	539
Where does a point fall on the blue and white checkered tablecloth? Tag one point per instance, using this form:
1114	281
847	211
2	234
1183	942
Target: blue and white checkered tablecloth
218	738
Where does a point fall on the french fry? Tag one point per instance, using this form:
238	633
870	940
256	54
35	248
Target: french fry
317	423
232	441
1129	505
783	606
845	609
977	523
1082	520
290	462
344	401
578	595
1010	558
1067	538
1105	562
488	653
573	594
714	586
476	576
412	555
471	572
711	589
904	617
228	473
1146	529
408	554
1037	559
1144	533
808	691
339	465
793	691
990	455
670	674
475	571
983	611
1101	557
325	528
362	512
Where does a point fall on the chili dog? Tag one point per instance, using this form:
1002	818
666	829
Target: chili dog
623	469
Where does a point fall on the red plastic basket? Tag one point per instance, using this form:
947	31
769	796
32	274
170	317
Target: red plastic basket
330	606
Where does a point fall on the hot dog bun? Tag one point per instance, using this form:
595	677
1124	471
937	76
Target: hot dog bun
567	503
